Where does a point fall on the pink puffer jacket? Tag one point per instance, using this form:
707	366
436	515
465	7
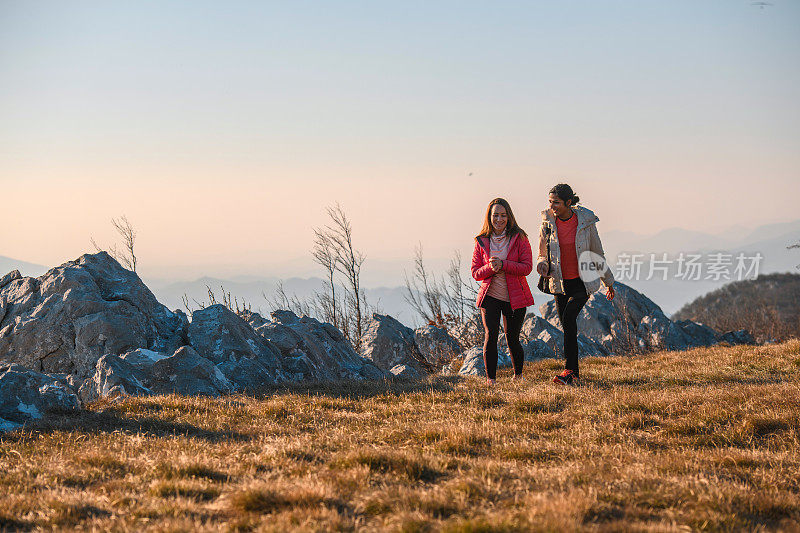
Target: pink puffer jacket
517	265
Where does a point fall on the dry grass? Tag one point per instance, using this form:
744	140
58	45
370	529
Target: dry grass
707	439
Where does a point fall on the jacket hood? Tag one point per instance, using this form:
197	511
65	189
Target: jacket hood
585	216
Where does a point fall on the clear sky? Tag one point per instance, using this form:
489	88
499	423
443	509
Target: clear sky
223	129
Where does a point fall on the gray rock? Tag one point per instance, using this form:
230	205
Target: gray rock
405	371
66	319
537	328
631	323
187	373
536	349
314	350
27	395
114	375
246	375
436	344
473	361
143	372
8	278
741	336
247	359
697	333
8	425
388	343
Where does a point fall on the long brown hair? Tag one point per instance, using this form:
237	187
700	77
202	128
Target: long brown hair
511	226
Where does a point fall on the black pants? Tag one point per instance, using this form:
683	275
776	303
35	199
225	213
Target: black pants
568	306
491	309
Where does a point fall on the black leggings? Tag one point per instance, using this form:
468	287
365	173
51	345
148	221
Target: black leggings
491	309
568	306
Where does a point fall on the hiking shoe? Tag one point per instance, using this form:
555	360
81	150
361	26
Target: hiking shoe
517	377
490	382
567	377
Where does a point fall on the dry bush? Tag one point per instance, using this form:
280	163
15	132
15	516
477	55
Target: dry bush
768	307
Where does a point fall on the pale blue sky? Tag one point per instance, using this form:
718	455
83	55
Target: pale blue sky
661	114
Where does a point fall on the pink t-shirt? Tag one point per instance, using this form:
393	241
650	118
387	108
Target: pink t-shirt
498	247
566	243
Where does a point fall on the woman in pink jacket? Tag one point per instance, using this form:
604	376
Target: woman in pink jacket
501	260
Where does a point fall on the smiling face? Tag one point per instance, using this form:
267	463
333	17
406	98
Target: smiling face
558	207
499	218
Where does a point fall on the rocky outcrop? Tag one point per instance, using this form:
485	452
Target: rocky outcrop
741	336
391	346
245	357
700	333
473	361
632	322
66	319
27	395
436	344
144	372
541	339
313	350
233	356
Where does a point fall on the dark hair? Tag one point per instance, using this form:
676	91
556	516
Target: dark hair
564	191
511	226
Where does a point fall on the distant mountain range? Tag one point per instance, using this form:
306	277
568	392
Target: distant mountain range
770	240
387	300
8	264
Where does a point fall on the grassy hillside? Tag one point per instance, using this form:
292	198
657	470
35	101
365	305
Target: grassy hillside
707	439
768	307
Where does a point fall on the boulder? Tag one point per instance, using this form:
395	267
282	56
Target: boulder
391	345
313	350
699	334
473	361
245	357
632	322
27	395
436	344
741	336
115	376
143	372
541	339
536	349
187	373
537	328
470	332
66	319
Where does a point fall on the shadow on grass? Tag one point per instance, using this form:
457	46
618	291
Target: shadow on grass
648	383
359	390
111	421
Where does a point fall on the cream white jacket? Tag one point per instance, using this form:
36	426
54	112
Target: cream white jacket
586	238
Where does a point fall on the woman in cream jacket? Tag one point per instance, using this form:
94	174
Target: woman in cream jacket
577	266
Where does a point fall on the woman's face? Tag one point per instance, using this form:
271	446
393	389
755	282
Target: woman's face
499	218
557	206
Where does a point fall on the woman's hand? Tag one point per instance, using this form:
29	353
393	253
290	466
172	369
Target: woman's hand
610	293
496	263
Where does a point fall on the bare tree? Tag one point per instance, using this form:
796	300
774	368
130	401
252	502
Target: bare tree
440	301
458	294
232	303
324	253
126	258
422	291
347	261
125	229
281	300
